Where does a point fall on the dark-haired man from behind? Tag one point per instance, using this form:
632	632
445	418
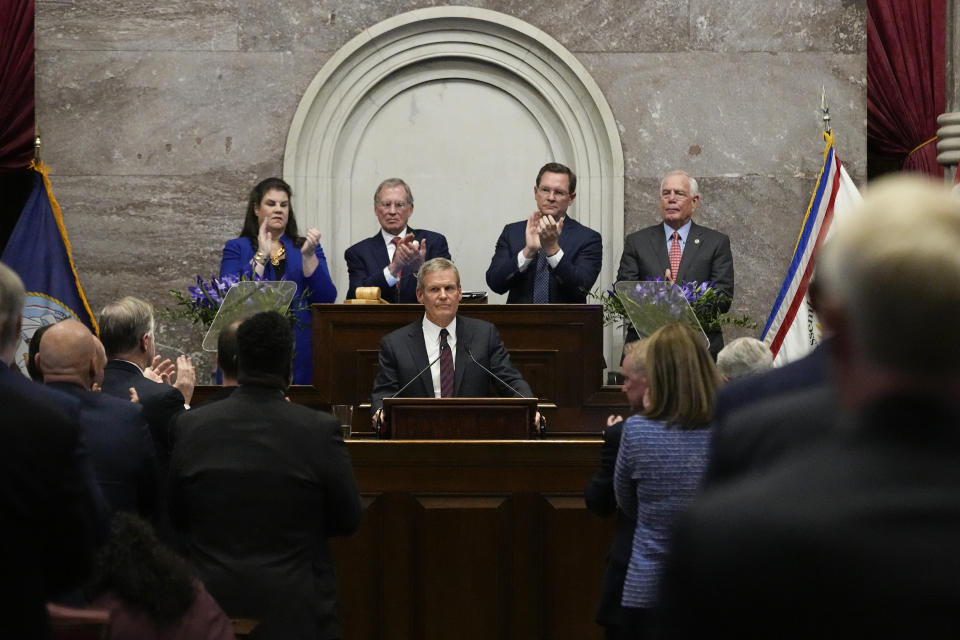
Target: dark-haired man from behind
391	257
549	257
226	362
257	485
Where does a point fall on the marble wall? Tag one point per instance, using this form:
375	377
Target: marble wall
157	116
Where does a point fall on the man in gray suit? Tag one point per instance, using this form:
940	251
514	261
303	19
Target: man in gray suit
679	249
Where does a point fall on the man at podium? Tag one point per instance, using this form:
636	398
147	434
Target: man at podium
442	355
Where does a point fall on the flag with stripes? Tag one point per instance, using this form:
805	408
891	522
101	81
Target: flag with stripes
792	330
39	251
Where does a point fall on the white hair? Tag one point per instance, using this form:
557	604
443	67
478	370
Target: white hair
694	187
894	267
743	357
12	296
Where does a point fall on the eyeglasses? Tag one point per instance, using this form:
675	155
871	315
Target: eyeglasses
399	205
559	193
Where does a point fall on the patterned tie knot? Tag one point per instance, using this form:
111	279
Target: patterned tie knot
675	236
443	334
396	241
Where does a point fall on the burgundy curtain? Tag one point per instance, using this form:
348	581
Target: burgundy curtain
16	84
906	77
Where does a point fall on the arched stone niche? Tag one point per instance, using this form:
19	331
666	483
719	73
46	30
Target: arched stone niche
543	97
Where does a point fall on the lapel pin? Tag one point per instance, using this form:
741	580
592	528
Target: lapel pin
696	241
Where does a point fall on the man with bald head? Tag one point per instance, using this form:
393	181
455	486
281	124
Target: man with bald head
117	435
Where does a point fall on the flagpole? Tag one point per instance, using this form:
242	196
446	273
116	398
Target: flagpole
826	110
36	144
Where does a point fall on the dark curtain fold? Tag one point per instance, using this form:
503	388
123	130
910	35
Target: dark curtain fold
16	84
906	78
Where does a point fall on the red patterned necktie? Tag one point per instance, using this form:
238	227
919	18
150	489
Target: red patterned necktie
675	254
396	243
446	366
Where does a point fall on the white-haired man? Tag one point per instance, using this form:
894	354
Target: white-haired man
678	249
861	527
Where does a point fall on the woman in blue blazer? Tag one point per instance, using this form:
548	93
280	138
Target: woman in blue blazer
270	248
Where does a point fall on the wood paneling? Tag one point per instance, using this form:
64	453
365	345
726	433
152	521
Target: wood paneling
473	539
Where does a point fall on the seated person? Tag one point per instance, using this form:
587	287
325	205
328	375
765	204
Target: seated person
434	354
150	591
391	257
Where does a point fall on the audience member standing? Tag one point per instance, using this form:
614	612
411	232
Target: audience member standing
857	535
116	433
257	485
46	532
663	453
601	499
127	331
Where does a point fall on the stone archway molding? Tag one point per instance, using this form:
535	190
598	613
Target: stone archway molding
457	42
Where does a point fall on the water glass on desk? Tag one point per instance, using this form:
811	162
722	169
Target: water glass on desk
344	414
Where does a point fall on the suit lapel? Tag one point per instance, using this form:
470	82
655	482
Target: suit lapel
380	250
462	360
418	354
658	244
690	250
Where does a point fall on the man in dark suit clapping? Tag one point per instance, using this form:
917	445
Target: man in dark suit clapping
391	257
549	257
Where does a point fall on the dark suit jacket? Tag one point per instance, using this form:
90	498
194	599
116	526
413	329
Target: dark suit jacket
46	536
237	260
403	354
810	371
857	537
121	449
600	499
569	282
160	402
706	256
367	259
257	484
97	508
760	435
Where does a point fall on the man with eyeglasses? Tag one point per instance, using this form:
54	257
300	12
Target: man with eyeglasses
549	257
391	258
678	249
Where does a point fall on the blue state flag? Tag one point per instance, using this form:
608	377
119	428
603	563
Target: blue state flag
39	251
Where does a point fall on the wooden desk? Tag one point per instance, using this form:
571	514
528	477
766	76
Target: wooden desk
473	539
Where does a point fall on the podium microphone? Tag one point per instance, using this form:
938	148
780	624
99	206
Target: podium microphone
410	382
540	426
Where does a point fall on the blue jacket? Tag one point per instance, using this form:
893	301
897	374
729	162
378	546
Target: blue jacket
238	261
569	282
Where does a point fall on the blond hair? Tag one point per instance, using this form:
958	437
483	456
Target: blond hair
682	377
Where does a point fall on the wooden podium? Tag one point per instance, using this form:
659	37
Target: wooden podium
557	348
459	418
